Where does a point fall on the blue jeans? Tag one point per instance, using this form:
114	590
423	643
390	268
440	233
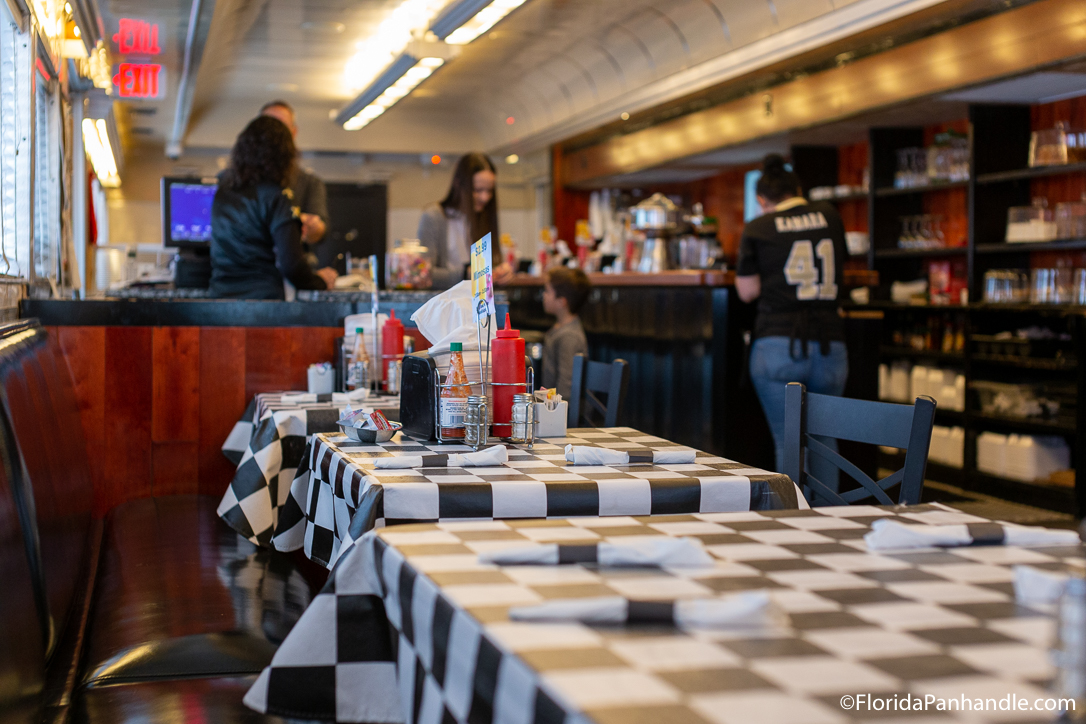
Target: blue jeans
772	368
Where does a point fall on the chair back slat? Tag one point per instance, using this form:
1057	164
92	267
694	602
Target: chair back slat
848	468
592	378
875	423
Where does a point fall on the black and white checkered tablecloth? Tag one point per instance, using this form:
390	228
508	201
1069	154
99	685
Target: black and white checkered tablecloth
339	496
924	622
267	444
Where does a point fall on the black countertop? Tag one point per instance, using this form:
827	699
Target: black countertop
172	312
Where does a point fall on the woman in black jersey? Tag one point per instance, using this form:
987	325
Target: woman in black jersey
791	260
256	228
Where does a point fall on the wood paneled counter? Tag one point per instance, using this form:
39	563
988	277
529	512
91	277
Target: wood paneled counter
674	278
161	382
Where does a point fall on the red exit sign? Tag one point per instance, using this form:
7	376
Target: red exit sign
137	37
138	80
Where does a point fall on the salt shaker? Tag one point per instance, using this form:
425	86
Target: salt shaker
1070	679
476	421
523	419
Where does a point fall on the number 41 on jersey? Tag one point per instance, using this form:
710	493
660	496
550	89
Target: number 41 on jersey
801	271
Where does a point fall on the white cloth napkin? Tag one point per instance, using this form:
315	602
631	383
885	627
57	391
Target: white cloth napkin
1034	585
744	610
339	398
589	455
889	534
490	457
660	551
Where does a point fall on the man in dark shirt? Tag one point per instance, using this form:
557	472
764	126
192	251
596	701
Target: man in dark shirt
309	193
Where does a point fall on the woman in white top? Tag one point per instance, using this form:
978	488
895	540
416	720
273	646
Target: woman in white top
468	212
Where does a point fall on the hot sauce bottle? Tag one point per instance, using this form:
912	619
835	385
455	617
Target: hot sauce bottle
453	400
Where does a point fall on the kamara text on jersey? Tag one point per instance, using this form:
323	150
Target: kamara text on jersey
801	222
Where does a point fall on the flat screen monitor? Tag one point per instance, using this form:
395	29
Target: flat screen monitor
186	211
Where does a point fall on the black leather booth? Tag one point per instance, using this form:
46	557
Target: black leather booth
159	613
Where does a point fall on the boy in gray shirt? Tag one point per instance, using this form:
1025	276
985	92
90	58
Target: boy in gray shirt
564	293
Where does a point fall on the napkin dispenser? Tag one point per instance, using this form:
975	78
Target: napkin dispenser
417	413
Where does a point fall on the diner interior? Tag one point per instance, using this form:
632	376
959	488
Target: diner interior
542	361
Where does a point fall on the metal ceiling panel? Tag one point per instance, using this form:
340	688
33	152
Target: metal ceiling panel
791	13
559	67
632	54
701	25
665	42
748	20
576	80
607	75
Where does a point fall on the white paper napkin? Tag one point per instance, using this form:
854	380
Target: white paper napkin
660	551
589	455
744	610
339	398
1034	585
490	457
889	534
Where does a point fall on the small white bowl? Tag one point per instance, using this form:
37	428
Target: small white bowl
362	435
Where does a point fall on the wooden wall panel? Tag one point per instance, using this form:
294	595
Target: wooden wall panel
85	353
128	409
311	345
569	205
222	401
852	161
175	468
156	404
175	409
268	351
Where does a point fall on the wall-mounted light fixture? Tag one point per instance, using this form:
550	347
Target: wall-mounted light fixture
96	141
464	21
410	68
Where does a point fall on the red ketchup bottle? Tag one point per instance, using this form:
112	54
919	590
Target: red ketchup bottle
391	342
508	366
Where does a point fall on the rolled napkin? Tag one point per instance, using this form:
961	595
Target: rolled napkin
889	534
489	457
659	551
743	610
589	455
1033	585
339	398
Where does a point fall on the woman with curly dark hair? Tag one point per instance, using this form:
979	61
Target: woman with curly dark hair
256	230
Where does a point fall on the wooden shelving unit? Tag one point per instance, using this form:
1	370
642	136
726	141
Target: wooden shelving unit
1001	178
913	190
920	253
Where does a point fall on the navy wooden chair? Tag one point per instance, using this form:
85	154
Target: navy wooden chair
591	379
875	423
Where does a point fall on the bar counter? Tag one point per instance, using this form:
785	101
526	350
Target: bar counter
180	308
168	378
161	381
674	278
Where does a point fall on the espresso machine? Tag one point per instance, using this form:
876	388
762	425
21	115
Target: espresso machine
657	219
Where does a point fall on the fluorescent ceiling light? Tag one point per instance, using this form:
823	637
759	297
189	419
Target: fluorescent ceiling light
464	21
410	68
405	73
96	142
391	38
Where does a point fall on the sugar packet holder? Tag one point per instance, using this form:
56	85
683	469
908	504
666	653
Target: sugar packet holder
548	397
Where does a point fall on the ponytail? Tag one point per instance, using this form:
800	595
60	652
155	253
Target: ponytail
777	182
